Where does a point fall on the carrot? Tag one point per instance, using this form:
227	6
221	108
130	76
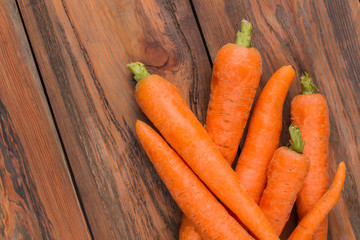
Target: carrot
194	199
309	111
264	133
236	74
310	222
163	104
287	171
187	230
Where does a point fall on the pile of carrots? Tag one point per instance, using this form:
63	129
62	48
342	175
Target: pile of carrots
254	200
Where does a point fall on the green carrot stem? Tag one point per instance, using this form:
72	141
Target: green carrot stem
307	85
296	142
243	38
139	70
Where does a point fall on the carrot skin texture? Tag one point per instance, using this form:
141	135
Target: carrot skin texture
264	132
236	75
310	113
310	222
187	230
163	104
194	199
287	172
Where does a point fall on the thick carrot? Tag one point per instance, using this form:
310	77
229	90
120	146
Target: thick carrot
195	200
287	171
165	107
236	74
264	133
187	230
309	111
310	222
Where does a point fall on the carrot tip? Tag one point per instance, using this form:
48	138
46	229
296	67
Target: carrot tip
296	142
307	85
342	165
139	70
243	37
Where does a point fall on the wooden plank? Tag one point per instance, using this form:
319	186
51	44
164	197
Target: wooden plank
321	37
38	200
82	48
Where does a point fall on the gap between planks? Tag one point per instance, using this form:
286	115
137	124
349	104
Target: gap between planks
201	32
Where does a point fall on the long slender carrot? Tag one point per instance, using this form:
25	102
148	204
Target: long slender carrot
195	200
287	171
165	107
309	111
310	222
188	231
264	133
236	74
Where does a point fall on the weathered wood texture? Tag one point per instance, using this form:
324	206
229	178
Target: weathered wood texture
323	38
37	196
82	48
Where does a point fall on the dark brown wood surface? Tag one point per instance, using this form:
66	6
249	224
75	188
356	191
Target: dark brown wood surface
81	49
323	38
37	197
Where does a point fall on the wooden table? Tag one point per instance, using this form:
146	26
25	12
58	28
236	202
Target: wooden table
71	166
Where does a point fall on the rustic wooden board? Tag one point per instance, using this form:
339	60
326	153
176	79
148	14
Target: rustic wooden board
37	196
82	48
323	38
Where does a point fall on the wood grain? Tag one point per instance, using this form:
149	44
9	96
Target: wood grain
37	196
82	48
323	38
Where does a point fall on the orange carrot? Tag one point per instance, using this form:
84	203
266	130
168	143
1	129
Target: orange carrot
236	75
187	230
287	171
309	111
264	133
310	222
194	199
163	104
